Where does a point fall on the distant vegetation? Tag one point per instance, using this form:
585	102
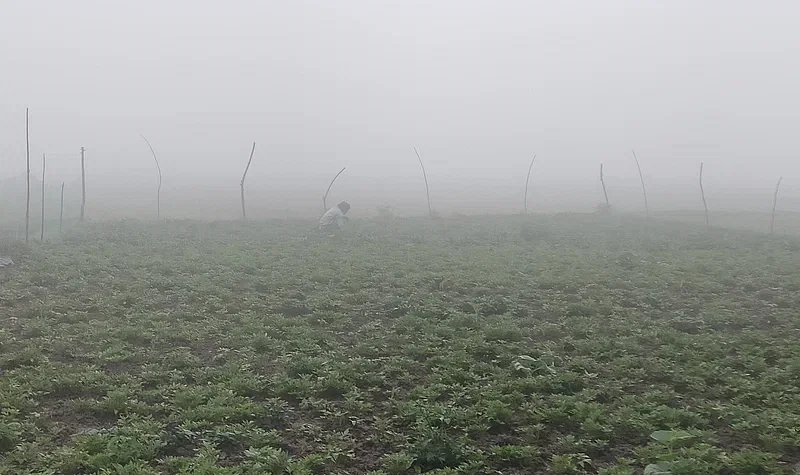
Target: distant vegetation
568	344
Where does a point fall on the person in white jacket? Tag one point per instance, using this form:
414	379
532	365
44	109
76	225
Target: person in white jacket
335	218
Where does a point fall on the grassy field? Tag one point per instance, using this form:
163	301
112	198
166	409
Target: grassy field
563	344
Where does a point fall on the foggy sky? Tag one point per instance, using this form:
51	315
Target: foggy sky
477	86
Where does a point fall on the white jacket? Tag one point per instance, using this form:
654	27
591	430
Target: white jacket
332	217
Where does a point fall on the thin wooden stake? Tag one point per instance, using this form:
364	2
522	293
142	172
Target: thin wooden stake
83	183
774	205
603	182
644	190
527	179
325	196
427	189
158	192
28	178
61	215
44	167
703	195
244	175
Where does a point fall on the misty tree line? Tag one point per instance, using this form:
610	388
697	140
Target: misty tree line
603	208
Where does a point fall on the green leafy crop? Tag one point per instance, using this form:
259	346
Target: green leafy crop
553	344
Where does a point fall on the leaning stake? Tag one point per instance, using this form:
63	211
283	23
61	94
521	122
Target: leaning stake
28	178
703	195
325	196
774	205
241	184
641	178
530	167
44	167
425	176
61	215
158	192
83	183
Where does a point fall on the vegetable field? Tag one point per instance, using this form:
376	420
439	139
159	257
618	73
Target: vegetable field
571	344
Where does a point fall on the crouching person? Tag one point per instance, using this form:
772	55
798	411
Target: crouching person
334	219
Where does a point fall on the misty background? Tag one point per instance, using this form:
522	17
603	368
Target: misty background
478	86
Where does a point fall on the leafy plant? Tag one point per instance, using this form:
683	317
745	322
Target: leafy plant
456	346
398	463
570	464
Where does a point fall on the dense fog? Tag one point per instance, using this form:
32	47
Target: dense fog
479	87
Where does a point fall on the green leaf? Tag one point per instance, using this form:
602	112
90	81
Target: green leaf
667	436
660	468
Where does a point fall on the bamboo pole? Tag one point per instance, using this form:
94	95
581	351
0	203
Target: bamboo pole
644	190
83	183
158	192
325	196
61	215
774	206
703	195
244	175
528	179
603	182
28	177
44	167
427	189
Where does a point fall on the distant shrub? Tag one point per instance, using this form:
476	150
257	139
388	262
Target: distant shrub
385	213
603	209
